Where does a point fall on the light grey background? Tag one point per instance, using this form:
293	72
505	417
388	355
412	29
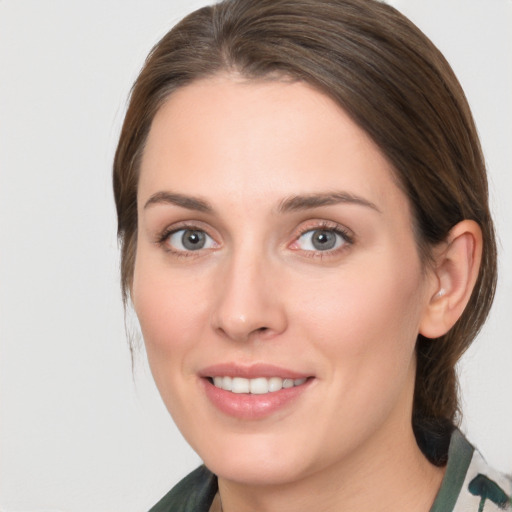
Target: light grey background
79	433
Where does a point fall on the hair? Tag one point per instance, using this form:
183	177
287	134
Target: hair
393	82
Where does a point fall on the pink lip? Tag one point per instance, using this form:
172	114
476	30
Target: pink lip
250	371
248	406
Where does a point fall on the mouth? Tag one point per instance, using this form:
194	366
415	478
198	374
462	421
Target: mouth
256	386
254	392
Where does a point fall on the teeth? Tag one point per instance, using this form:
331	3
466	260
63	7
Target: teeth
287	383
240	385
258	386
227	383
275	384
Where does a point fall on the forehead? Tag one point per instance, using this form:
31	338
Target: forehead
225	137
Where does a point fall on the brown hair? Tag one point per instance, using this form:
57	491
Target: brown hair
389	77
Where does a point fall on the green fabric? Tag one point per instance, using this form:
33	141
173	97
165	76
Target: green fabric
194	493
459	459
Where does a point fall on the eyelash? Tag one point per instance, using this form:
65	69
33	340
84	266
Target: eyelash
163	238
332	227
347	237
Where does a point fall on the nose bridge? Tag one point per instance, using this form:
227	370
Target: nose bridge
247	300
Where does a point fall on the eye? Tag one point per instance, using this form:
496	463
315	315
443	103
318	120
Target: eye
190	240
321	240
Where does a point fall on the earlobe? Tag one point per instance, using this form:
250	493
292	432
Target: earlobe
457	262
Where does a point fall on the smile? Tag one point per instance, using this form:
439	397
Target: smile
257	386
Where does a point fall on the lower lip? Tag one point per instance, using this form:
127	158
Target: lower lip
252	407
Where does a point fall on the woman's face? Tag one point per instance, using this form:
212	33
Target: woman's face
274	250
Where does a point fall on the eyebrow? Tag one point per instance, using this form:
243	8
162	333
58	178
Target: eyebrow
309	201
188	202
290	204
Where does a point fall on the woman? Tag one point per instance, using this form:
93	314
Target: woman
306	239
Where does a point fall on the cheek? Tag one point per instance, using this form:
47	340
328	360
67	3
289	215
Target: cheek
172	318
369	313
170	314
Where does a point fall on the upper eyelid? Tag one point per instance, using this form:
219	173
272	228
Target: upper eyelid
196	225
326	225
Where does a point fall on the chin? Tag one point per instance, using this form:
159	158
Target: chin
248	472
256	460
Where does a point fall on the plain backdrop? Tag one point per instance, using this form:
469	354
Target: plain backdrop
78	431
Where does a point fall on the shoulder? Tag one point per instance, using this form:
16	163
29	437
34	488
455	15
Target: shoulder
194	493
470	484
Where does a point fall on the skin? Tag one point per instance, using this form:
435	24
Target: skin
259	292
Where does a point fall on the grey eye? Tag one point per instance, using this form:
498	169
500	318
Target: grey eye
190	240
320	240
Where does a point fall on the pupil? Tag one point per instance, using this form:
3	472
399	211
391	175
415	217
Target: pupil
324	240
193	240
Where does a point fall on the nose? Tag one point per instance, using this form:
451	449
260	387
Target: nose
249	303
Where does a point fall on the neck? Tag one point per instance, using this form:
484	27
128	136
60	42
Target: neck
389	474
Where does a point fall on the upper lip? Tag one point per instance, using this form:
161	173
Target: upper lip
251	371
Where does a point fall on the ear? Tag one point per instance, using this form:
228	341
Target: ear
457	262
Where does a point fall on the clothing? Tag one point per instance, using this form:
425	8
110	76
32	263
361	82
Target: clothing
194	493
469	485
